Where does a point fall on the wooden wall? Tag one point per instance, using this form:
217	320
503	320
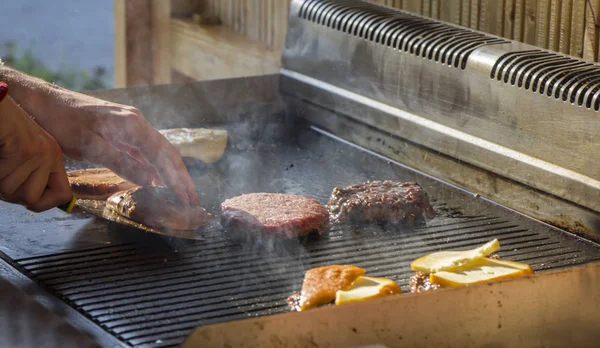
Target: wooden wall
566	26
157	41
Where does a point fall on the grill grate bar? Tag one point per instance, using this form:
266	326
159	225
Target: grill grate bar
333	245
293	273
221	302
123	285
70	255
101	258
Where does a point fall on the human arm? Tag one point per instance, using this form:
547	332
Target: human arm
31	167
104	133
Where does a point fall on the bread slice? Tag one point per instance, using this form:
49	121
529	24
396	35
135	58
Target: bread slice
366	288
451	260
96	183
482	271
321	284
207	145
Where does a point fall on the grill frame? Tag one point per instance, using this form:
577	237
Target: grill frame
133	294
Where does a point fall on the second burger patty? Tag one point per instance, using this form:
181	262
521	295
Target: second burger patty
380	202
277	214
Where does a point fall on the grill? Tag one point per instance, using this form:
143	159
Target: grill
345	109
154	291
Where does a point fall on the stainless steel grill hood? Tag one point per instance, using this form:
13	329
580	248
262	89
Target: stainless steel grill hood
527	115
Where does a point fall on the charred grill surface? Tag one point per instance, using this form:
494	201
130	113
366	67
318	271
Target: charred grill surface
152	291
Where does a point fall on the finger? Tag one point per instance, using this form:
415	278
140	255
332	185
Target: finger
128	168
6	168
175	176
161	154
32	189
120	162
133	152
57	190
11	183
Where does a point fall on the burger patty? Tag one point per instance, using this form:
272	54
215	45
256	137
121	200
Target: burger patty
96	183
274	214
380	202
157	207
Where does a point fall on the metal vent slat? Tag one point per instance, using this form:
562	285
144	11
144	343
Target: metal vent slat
565	78
437	41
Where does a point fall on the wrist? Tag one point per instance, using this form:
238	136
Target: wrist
29	92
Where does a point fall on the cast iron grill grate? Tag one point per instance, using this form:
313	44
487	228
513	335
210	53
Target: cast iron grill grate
157	297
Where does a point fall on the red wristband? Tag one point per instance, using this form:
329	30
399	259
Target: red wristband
3	90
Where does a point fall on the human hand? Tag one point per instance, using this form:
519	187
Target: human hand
31	167
117	137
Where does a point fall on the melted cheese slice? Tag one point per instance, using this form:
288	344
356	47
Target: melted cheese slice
366	288
451	260
207	145
482	271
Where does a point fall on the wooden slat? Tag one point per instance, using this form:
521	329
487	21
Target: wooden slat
185	8
591	37
529	22
474	13
465	13
543	24
413	6
161	33
435	9
509	19
426	10
138	33
519	21
450	11
120	20
280	21
491	16
554	26
564	42
577	29
216	52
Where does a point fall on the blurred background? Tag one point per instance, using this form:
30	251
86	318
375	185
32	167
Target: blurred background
93	44
68	42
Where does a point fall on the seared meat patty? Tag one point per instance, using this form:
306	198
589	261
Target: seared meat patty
274	214
96	183
157	207
379	202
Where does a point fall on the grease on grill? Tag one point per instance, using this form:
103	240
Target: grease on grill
380	202
420	283
294	302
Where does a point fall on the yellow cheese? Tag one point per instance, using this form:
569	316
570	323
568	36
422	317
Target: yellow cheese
451	260
481	271
365	288
207	145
